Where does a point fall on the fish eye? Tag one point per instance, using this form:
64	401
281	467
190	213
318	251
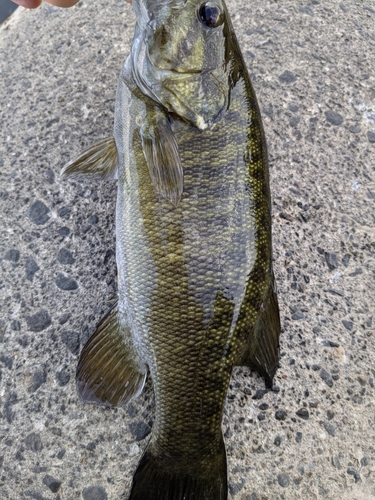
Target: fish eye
210	15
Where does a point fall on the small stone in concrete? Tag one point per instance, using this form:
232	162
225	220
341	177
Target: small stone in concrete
299	437
63	212
326	377
287	77
346	259
260	393
331	260
330	428
52	483
139	430
93	219
252	496
353	472
235	488
31	268
343	7
65	283
277	440
94	493
39	321
64	318
7	361
65	256
280	415
356	272
64	231
283	480
39	213
33	442
304	9
34	494
63	377
298	316
49	175
39	378
12	255
303	413
330	414
333	118
71	340
11	400
61	454
15	325
348	324
371	136
364	461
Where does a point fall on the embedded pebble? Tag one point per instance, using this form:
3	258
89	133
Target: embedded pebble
65	256
39	321
65	283
94	493
31	268
39	213
283	480
52	483
139	430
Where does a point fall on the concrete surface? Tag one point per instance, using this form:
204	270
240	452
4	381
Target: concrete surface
312	65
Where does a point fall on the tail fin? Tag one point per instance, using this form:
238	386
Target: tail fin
155	479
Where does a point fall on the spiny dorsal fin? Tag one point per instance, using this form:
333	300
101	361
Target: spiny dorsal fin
99	161
108	372
162	156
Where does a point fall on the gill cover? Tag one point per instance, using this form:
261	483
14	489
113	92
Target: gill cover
178	57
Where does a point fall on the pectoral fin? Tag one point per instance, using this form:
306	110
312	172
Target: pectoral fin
99	161
262	354
162	156
108	371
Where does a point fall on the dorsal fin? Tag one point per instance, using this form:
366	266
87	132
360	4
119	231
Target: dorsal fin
109	372
99	161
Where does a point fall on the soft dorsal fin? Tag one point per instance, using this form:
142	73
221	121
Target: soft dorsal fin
109	372
99	161
162	156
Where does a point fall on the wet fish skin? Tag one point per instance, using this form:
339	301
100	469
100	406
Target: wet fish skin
196	293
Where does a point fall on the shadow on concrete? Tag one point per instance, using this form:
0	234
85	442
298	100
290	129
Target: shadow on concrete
6	9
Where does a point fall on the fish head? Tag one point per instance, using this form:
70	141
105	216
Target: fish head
179	57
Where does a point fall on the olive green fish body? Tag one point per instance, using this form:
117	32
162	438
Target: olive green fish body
193	234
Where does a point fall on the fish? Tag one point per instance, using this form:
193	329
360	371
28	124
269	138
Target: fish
196	289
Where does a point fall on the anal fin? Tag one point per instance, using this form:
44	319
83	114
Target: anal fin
262	354
99	161
108	371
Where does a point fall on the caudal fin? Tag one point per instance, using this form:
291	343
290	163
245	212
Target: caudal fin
155	479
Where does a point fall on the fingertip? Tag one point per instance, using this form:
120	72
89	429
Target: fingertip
62	3
28	4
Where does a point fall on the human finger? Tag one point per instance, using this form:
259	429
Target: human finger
28	4
33	4
62	3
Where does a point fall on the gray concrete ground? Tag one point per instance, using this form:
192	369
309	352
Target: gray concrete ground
312	65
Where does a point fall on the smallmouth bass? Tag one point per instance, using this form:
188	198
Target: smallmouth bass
196	293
